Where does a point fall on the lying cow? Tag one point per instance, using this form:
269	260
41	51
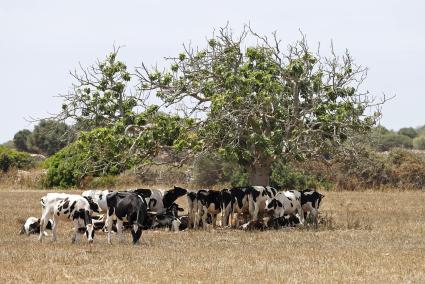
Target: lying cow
169	219
285	203
32	226
126	206
68	207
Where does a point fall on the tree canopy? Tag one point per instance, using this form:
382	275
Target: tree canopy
262	102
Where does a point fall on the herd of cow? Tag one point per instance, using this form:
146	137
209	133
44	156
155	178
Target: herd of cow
257	207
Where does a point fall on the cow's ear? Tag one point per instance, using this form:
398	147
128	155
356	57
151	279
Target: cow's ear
322	195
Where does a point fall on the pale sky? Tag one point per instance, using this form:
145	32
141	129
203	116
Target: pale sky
40	41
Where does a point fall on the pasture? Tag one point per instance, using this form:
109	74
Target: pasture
364	236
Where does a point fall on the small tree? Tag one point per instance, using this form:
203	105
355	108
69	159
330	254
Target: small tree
21	139
408	131
49	136
419	143
263	102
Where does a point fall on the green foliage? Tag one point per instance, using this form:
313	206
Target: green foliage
10	158
21	140
419	143
391	140
286	177
408	131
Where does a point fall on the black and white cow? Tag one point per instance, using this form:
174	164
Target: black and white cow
310	202
99	197
169	219
285	203
209	201
158	200
234	202
257	198
68	207
32	226
126	206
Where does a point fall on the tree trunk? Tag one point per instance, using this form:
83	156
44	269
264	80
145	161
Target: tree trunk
259	174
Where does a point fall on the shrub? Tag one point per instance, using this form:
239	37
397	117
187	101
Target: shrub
10	158
21	139
391	140
408	131
419	143
286	177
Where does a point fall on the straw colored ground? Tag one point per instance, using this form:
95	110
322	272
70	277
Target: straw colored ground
367	236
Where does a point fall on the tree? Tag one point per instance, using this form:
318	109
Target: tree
49	136
408	131
21	139
261	103
419	143
99	96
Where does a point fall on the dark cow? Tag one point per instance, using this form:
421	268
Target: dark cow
158	200
32	226
209	201
169	219
234	201
68	207
310	202
126	206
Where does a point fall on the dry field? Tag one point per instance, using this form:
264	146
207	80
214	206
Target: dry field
368	237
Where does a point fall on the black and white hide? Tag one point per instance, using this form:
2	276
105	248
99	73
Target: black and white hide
159	200
61	206
99	197
257	198
310	202
126	206
285	203
209	202
235	204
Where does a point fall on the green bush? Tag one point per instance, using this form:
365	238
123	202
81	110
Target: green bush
419	143
286	177
391	140
408	131
10	158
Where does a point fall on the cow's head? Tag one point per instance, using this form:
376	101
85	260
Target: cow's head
171	195
94	207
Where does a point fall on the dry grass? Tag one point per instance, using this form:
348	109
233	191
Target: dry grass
367	236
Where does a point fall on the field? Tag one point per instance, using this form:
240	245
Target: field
366	236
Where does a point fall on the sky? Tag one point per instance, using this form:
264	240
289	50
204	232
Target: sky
41	41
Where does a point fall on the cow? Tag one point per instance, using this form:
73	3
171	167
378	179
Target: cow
99	197
310	202
68	207
257	198
158	200
32	226
169	219
209	201
285	203
126	206
234	201
192	207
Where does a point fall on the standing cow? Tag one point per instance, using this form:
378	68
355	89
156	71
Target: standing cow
68	207
126	206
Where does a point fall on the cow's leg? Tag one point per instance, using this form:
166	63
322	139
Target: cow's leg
314	214
204	218
76	234
214	220
54	228
190	219
109	221
43	223
119	229
255	212
198	214
301	214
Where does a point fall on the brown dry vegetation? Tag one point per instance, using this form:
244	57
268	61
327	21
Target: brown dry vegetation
367	236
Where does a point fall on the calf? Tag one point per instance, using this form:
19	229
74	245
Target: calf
68	207
209	201
129	206
257	198
169	219
310	202
32	226
285	203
